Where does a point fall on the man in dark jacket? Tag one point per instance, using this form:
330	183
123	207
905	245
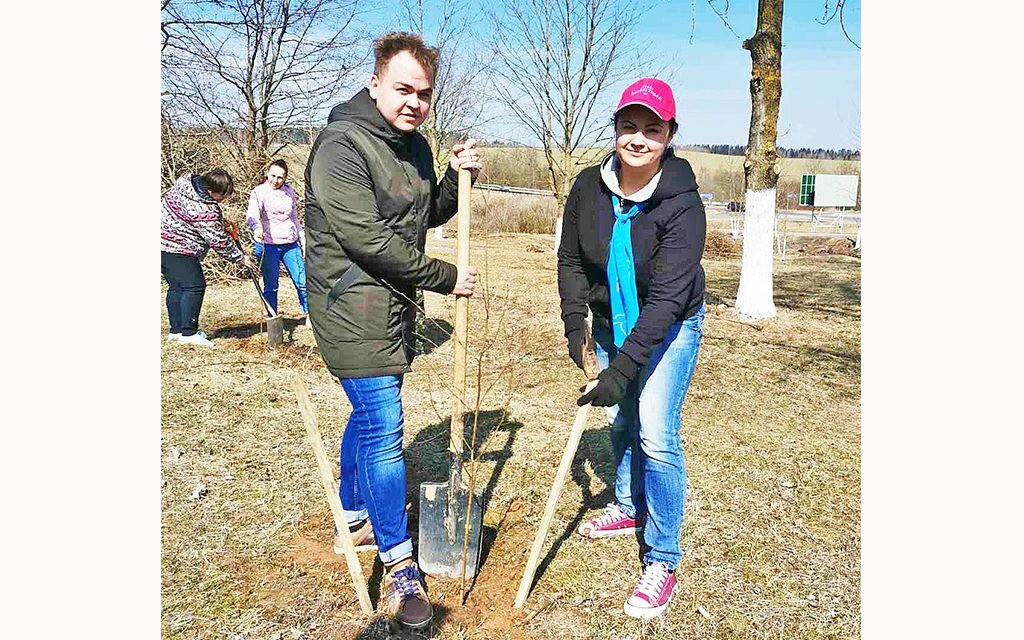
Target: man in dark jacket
371	195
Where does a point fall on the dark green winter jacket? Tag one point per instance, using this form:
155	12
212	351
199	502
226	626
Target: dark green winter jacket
371	196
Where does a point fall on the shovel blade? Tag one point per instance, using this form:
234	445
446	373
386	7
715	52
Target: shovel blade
441	541
275	331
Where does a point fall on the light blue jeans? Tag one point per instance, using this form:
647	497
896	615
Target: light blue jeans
372	465
650	475
270	257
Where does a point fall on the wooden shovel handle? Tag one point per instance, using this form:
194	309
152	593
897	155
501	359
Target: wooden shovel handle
461	318
590	365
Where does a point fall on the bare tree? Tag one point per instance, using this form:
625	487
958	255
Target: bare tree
458	97
182	150
829	14
250	69
754	299
552	61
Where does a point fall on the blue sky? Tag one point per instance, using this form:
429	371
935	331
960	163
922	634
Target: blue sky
711	75
820	74
710	72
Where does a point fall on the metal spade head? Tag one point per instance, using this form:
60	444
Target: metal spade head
442	533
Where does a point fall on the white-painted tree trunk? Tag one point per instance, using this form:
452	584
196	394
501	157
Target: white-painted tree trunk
558	232
754	300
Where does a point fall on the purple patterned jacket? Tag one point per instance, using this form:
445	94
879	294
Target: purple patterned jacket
192	223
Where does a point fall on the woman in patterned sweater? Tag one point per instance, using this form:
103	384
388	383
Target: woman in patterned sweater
191	224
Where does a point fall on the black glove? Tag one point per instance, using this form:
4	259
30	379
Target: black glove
577	338
610	389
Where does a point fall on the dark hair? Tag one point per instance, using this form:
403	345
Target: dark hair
279	163
218	181
673	126
390	44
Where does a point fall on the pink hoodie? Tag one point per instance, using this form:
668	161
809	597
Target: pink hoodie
274	210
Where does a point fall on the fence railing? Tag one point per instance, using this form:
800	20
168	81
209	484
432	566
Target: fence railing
506	189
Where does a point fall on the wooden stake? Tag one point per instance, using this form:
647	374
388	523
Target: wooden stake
324	468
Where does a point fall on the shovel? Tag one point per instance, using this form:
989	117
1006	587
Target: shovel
451	515
275	323
590	368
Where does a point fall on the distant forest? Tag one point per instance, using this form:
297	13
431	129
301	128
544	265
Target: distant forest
735	150
802	152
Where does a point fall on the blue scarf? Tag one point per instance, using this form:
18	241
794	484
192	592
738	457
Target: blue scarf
622	273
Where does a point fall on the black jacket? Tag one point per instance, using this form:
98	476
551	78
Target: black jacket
668	241
371	195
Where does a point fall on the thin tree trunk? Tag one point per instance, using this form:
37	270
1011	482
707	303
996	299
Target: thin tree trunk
560	185
754	299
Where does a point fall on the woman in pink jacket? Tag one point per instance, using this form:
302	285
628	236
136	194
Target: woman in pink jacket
274	220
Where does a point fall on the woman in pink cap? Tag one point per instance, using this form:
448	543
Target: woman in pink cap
274	221
632	239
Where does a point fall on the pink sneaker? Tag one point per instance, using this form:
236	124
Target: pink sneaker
610	523
652	593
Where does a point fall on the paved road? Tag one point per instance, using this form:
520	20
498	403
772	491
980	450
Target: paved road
795	216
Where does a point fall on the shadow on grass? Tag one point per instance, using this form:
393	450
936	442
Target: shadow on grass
428	461
843	363
809	287
431	334
382	628
249	330
434	333
595	446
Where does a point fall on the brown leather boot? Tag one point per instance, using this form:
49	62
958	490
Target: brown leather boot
405	595
362	537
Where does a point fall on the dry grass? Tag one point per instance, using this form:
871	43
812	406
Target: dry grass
772	441
497	212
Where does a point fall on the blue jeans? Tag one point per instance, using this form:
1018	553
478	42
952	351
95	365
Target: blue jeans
372	466
646	422
270	257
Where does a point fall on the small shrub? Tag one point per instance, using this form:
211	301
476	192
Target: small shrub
720	245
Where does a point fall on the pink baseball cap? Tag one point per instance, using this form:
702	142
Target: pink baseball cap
652	93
